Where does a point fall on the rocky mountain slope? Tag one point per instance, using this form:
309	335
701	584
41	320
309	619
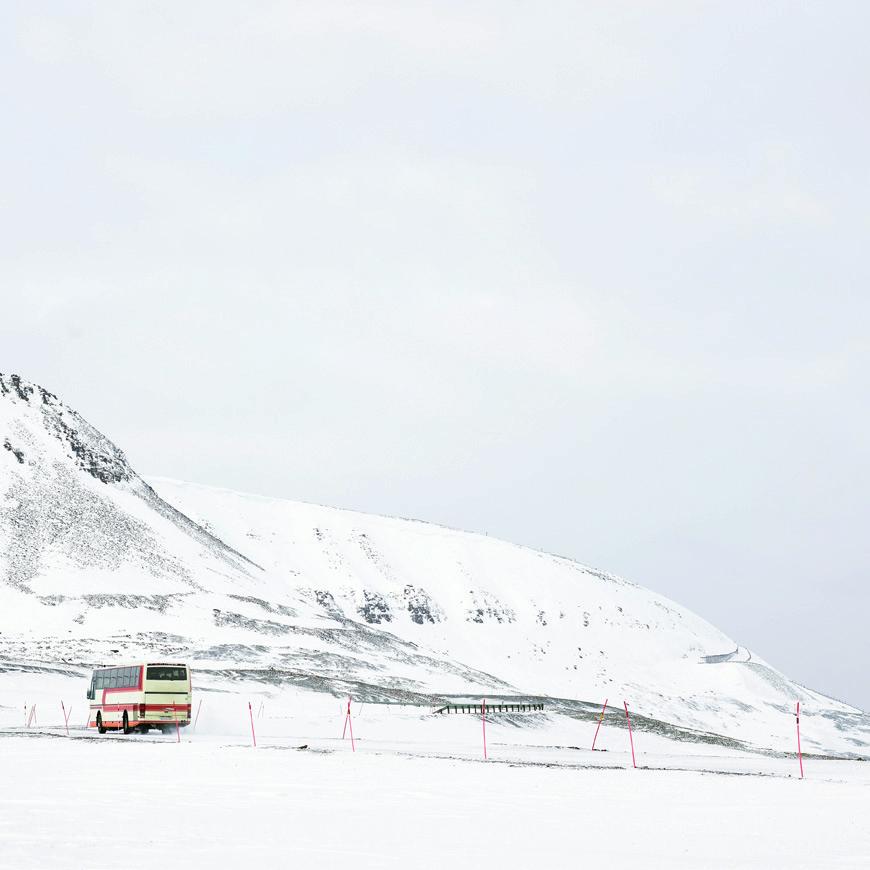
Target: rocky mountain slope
96	563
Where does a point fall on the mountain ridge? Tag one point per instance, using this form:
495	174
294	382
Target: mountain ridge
93	452
96	560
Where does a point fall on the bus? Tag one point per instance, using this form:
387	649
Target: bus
141	696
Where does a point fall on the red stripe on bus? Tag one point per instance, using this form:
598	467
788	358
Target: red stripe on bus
117	725
128	706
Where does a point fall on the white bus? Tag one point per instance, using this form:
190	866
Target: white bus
141	696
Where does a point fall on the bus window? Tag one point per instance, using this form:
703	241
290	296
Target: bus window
165	672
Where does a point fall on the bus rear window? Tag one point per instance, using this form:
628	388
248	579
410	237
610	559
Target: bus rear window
165	672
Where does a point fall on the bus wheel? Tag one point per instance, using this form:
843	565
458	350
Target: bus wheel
100	726
126	725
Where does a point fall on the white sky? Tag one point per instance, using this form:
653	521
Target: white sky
591	278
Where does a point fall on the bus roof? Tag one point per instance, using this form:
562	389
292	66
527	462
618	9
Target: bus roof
141	664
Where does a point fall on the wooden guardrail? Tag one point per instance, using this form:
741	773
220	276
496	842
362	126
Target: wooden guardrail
491	707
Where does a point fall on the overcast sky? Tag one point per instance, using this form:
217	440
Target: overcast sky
588	277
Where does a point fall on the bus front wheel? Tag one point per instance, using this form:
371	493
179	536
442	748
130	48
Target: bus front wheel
126	725
100	726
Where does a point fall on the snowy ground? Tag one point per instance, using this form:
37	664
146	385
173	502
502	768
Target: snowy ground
118	802
416	793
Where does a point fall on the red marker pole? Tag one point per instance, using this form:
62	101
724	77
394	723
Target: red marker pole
483	708
629	734
600	720
65	720
350	726
177	726
251	714
797	717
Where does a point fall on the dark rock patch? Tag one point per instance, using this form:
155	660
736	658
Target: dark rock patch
421	606
374	609
18	454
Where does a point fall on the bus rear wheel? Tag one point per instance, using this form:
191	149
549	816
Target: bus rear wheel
126	724
100	726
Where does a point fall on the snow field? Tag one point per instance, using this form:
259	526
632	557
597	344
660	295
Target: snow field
415	793
115	802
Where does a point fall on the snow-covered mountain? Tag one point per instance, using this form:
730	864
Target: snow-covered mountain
96	563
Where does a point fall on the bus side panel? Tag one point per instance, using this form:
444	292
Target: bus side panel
112	703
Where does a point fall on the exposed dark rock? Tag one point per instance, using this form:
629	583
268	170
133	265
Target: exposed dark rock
487	608
159	603
327	602
268	606
262	626
374	608
421	606
18	454
23	390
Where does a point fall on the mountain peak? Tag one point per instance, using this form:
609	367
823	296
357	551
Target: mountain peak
89	448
